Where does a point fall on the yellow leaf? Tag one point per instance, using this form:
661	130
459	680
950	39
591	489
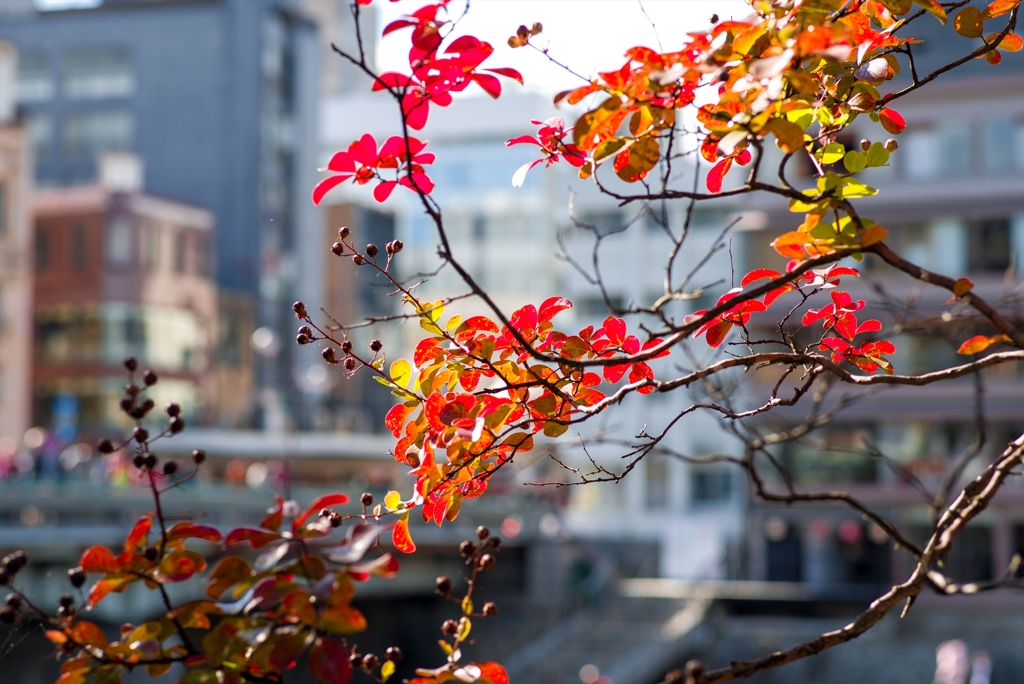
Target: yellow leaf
386	670
962	286
401	373
393	500
467	605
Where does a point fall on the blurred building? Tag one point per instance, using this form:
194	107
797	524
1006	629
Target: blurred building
120	272
952	199
219	99
15	263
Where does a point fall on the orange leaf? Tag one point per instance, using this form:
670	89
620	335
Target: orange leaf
98	559
962	286
396	419
138	533
968	22
57	637
492	673
229	571
1011	42
179	566
342	620
979	343
105	586
999	8
872	235
400	535
88	634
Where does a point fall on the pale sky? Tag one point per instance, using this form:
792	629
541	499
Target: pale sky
589	35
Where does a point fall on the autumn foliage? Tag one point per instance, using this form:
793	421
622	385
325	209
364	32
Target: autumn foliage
478	391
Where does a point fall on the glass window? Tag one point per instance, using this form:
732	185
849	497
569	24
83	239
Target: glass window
180	251
79	246
922	154
40	134
119	243
42	248
89	133
956	150
990	248
657	483
35	78
99	73
710	486
150	248
999	143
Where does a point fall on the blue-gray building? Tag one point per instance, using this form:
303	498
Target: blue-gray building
218	98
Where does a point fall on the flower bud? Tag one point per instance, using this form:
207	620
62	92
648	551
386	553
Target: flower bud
346	346
358	259
338	248
126	404
76	576
375	345
350	364
170	467
150	378
891	144
105	446
300	309
66	600
371	250
139	461
467	549
394	654
328	354
344	232
865	145
150	461
482	532
490	609
494	542
130	363
366	499
198	456
301	339
487	562
369	661
176	425
140	434
444	584
450	627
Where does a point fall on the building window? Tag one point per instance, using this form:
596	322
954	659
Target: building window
42	248
40	134
922	154
999	144
710	486
989	246
79	247
35	78
86	134
99	73
180	251
657	483
3	208
204	256
119	243
150	248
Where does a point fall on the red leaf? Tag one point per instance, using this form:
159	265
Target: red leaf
615	329
99	559
492	673
718	332
272	521
552	306
105	586
328	662
979	343
758	274
490	84
187	530
508	73
325	501
325	186
400	535
717	174
229	571
179	566
384	190
256	538
891	121
395	419
615	373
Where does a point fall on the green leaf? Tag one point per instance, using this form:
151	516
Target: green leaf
877	155
855	161
831	153
854	188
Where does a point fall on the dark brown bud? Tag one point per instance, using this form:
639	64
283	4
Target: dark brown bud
891	144
4	577
338	248
350	364
170	467
7	615
371	250
865	145
494	542
450	627
130	363
335	520
150	378
105	446
487	562
346	346
328	354
395	246
15	562
358	259
76	576
300	310
482	532
173	409
126	404
137	413
301	339
198	456
467	549
138	460
176	425
143	408
344	232
375	345
140	434
306	330
151	553
355	660
66	600
132	389
370	661
444	584
366	499
714	18
490	609
394	654
150	461
13	600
